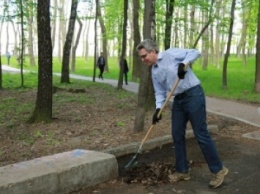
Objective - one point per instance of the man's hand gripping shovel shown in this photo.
(134, 160)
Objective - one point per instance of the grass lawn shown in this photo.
(240, 78)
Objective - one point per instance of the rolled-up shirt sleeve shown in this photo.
(191, 55)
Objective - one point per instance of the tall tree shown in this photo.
(123, 51)
(216, 60)
(67, 46)
(145, 91)
(104, 35)
(241, 47)
(54, 21)
(205, 27)
(168, 23)
(205, 43)
(30, 10)
(95, 43)
(15, 39)
(74, 48)
(62, 28)
(21, 56)
(257, 61)
(192, 25)
(137, 63)
(43, 107)
(224, 73)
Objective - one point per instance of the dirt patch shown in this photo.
(92, 119)
(149, 174)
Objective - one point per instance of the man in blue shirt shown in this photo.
(189, 105)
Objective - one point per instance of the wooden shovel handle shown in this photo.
(162, 108)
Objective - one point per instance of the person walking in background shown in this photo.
(189, 105)
(101, 65)
(125, 70)
(8, 56)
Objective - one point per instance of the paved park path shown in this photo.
(244, 112)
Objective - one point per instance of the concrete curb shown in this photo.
(58, 174)
(152, 143)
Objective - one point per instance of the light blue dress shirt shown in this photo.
(164, 72)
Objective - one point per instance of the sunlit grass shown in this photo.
(240, 78)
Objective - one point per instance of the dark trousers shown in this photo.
(101, 71)
(126, 78)
(191, 106)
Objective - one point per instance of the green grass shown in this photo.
(240, 78)
(83, 67)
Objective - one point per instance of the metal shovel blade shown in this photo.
(132, 162)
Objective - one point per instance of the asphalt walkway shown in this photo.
(247, 113)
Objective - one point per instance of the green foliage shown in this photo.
(38, 134)
(113, 17)
(50, 138)
(120, 123)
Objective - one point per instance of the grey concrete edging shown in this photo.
(152, 143)
(58, 174)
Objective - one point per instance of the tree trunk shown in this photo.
(217, 37)
(21, 56)
(137, 63)
(73, 63)
(62, 29)
(54, 21)
(95, 45)
(176, 35)
(205, 43)
(30, 39)
(68, 42)
(168, 23)
(85, 43)
(123, 51)
(243, 38)
(206, 25)
(192, 25)
(7, 38)
(257, 61)
(104, 36)
(145, 92)
(15, 39)
(43, 108)
(224, 79)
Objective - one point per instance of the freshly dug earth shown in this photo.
(93, 119)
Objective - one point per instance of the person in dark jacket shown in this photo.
(101, 62)
(125, 70)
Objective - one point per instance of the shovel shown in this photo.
(134, 160)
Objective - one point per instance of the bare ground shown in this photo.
(91, 119)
